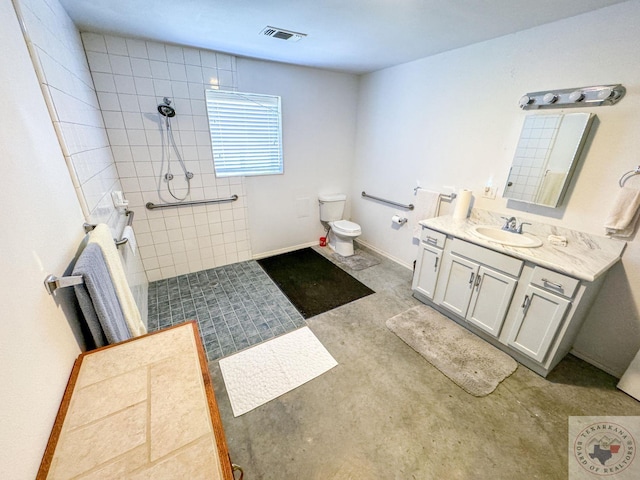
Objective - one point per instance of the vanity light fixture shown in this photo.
(573, 97)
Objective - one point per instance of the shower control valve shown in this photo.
(168, 176)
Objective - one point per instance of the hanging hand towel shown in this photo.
(101, 235)
(98, 300)
(426, 206)
(624, 214)
(132, 244)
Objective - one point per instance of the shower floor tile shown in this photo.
(236, 306)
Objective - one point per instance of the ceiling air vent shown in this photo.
(282, 34)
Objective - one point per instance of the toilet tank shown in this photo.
(331, 207)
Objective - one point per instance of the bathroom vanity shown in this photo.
(529, 302)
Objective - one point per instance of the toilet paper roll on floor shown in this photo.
(463, 200)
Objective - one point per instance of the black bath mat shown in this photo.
(312, 283)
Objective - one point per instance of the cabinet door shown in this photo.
(456, 285)
(426, 274)
(490, 301)
(537, 322)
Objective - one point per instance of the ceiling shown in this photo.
(354, 36)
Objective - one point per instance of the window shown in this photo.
(246, 133)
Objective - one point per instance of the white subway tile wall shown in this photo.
(131, 78)
(69, 91)
(60, 60)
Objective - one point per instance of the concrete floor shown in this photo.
(386, 413)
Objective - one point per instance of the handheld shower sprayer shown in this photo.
(167, 111)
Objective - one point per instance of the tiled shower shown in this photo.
(103, 92)
(131, 78)
(236, 306)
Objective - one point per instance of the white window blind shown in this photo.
(246, 133)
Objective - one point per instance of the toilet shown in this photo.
(342, 232)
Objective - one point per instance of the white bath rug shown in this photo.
(259, 374)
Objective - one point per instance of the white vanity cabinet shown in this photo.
(477, 284)
(546, 301)
(504, 296)
(428, 262)
(537, 322)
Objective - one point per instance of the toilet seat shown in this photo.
(345, 227)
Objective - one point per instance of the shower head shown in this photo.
(166, 110)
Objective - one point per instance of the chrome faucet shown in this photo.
(511, 225)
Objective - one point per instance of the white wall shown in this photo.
(62, 69)
(318, 121)
(453, 119)
(42, 229)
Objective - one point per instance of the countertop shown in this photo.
(137, 410)
(586, 256)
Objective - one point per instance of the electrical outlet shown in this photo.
(489, 192)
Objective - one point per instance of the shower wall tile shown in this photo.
(131, 78)
(62, 64)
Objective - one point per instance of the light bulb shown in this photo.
(576, 96)
(525, 100)
(605, 93)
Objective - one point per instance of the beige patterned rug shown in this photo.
(473, 364)
(359, 261)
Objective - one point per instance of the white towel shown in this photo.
(101, 235)
(624, 214)
(426, 206)
(131, 239)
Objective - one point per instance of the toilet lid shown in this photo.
(346, 226)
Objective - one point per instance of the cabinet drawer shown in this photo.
(554, 282)
(495, 260)
(433, 238)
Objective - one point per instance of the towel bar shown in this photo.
(401, 205)
(129, 213)
(627, 175)
(448, 197)
(151, 205)
(52, 283)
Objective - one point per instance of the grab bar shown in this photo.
(129, 213)
(401, 205)
(152, 206)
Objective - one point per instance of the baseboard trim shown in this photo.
(258, 256)
(595, 363)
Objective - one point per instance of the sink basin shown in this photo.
(510, 239)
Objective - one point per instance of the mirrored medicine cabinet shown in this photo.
(545, 158)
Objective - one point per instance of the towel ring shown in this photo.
(627, 175)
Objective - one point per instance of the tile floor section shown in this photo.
(236, 306)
